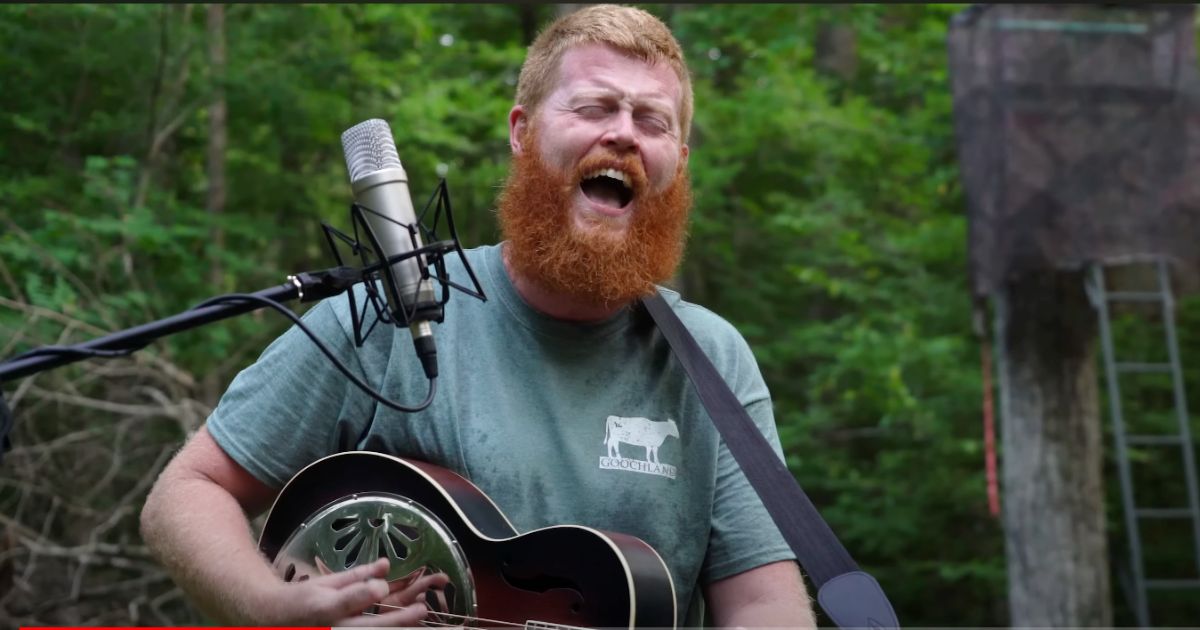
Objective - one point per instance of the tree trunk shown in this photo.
(217, 143)
(217, 137)
(836, 48)
(1053, 491)
(529, 22)
(561, 9)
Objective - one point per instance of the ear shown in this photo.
(683, 154)
(517, 122)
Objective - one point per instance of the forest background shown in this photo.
(153, 156)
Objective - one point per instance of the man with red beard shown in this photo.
(558, 397)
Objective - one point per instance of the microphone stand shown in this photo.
(306, 286)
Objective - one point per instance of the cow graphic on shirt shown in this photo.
(644, 432)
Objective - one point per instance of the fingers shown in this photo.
(359, 597)
(377, 569)
(409, 616)
(348, 594)
(344, 600)
(404, 592)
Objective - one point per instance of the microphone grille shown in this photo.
(369, 147)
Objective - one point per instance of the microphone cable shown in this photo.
(367, 389)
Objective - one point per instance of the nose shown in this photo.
(621, 134)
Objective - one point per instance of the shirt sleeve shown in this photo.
(743, 534)
(292, 406)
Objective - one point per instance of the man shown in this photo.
(535, 383)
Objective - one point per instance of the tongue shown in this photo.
(603, 190)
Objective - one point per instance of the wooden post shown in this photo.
(1053, 489)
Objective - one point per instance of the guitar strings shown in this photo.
(424, 622)
(448, 615)
(446, 624)
(461, 617)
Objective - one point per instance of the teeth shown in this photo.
(609, 172)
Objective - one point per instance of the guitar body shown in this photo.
(352, 508)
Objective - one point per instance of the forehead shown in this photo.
(601, 68)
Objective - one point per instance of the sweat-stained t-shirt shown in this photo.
(523, 410)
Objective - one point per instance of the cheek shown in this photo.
(559, 153)
(565, 144)
(663, 170)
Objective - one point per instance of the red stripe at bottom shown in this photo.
(175, 628)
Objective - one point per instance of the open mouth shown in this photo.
(607, 187)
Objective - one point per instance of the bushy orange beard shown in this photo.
(601, 264)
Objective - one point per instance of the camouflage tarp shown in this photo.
(1078, 136)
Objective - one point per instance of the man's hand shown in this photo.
(200, 504)
(340, 599)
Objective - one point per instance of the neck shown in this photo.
(555, 304)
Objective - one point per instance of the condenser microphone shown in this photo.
(380, 188)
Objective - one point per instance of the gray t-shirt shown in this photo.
(525, 409)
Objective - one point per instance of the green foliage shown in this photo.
(828, 226)
(832, 233)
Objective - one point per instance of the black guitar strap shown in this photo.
(851, 597)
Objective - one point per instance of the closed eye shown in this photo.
(655, 123)
(591, 111)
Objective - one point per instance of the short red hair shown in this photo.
(627, 29)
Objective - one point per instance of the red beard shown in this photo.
(600, 265)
